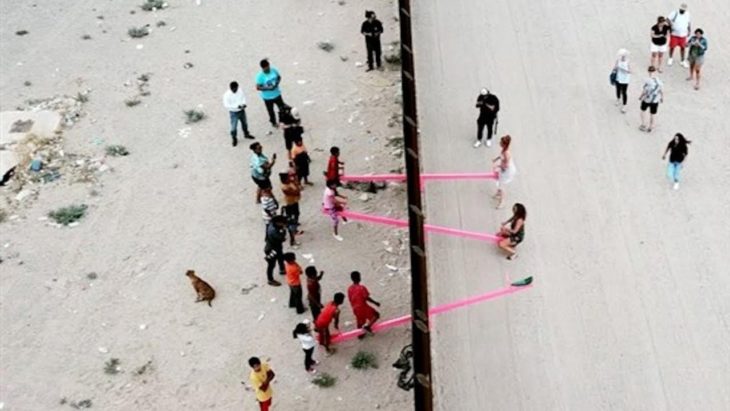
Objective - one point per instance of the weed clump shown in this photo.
(68, 215)
(111, 367)
(117, 150)
(193, 116)
(324, 380)
(364, 360)
(138, 32)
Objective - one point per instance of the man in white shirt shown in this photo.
(235, 102)
(679, 21)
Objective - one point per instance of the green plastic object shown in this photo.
(523, 282)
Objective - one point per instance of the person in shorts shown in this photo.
(651, 95)
(697, 47)
(659, 40)
(260, 169)
(679, 21)
(513, 231)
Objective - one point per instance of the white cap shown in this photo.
(484, 92)
(295, 113)
(623, 52)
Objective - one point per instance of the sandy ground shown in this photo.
(184, 199)
(630, 310)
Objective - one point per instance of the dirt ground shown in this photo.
(113, 286)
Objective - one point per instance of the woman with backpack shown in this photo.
(622, 68)
(677, 149)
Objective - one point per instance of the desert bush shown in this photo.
(111, 367)
(364, 360)
(68, 215)
(324, 380)
(137, 32)
(150, 5)
(132, 102)
(117, 150)
(193, 116)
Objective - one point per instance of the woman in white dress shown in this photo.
(505, 169)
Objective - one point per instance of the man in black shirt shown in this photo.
(488, 105)
(274, 249)
(372, 28)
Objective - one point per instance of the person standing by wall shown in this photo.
(651, 95)
(623, 76)
(677, 149)
(697, 48)
(680, 24)
(372, 28)
(260, 377)
(659, 40)
(488, 105)
(235, 102)
(267, 83)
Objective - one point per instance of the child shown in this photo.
(330, 312)
(293, 278)
(335, 167)
(261, 377)
(269, 205)
(359, 296)
(333, 205)
(303, 333)
(292, 194)
(314, 290)
(300, 157)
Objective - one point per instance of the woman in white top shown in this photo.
(623, 76)
(505, 168)
(304, 335)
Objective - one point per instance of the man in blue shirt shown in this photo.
(267, 83)
(260, 169)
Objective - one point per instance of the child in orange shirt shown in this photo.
(293, 278)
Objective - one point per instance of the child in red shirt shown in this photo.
(330, 312)
(359, 296)
(334, 166)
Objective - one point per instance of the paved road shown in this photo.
(631, 305)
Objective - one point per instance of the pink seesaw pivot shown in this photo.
(515, 287)
(492, 238)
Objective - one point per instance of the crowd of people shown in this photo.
(668, 34)
(281, 218)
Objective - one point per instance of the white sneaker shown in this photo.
(478, 143)
(337, 237)
(676, 186)
(685, 63)
(670, 62)
(489, 143)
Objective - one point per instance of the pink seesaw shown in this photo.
(424, 177)
(492, 238)
(515, 287)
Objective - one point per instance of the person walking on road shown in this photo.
(651, 95)
(235, 102)
(513, 231)
(677, 150)
(623, 76)
(681, 26)
(303, 333)
(359, 296)
(505, 168)
(260, 169)
(488, 105)
(697, 48)
(260, 378)
(372, 28)
(267, 83)
(274, 248)
(659, 40)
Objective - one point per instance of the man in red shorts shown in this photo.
(679, 21)
(359, 296)
(330, 312)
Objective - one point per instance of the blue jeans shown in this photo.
(237, 116)
(673, 170)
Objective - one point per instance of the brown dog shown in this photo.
(204, 290)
